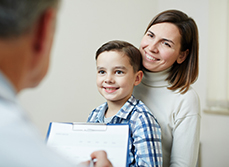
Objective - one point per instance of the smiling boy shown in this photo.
(119, 66)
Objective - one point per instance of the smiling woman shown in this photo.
(170, 58)
(160, 47)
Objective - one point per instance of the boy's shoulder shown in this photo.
(102, 106)
(97, 113)
(141, 113)
(139, 104)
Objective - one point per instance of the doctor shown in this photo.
(26, 34)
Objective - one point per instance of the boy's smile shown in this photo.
(110, 89)
(115, 77)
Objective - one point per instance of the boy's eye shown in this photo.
(101, 72)
(119, 72)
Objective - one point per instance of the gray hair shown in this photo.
(18, 16)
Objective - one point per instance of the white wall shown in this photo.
(69, 93)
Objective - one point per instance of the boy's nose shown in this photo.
(109, 79)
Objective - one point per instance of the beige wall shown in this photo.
(69, 93)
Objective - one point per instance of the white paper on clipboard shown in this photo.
(76, 141)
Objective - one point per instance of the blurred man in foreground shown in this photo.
(26, 33)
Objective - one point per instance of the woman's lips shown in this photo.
(149, 57)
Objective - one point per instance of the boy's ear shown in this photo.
(182, 56)
(138, 78)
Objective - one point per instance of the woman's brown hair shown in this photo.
(181, 76)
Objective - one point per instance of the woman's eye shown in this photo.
(150, 35)
(166, 44)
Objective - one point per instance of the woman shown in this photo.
(170, 58)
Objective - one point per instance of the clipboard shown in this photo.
(76, 141)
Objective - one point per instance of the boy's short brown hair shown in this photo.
(127, 49)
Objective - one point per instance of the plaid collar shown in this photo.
(122, 113)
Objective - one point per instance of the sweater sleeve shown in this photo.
(186, 132)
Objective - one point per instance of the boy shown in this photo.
(118, 71)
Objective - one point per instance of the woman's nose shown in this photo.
(153, 47)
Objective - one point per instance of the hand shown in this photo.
(101, 159)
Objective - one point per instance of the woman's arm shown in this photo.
(186, 132)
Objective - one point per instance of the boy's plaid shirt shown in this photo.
(145, 147)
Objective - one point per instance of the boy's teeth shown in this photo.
(109, 88)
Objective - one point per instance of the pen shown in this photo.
(91, 163)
